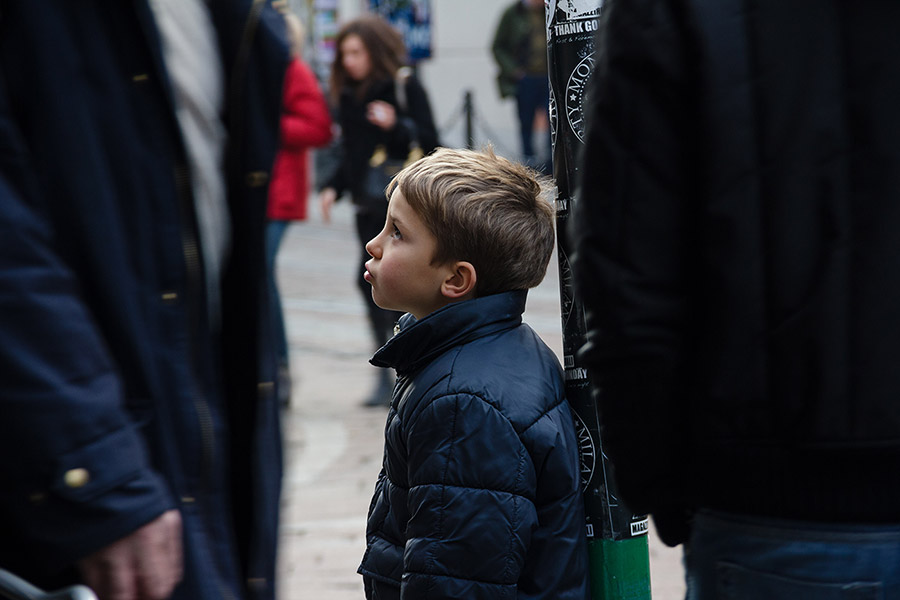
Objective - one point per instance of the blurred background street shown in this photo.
(333, 444)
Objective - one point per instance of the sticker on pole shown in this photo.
(641, 527)
(571, 27)
(586, 450)
(575, 88)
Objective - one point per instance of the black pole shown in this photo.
(468, 111)
(617, 540)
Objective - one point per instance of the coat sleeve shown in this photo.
(341, 152)
(471, 513)
(337, 179)
(74, 474)
(504, 51)
(633, 230)
(305, 119)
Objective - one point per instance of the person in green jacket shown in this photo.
(520, 50)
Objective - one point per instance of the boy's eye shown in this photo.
(396, 234)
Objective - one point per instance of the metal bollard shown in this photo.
(468, 111)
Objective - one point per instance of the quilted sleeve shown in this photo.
(75, 475)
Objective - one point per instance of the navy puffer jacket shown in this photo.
(479, 495)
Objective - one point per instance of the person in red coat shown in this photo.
(305, 123)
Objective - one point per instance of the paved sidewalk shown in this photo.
(332, 444)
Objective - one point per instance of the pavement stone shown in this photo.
(333, 445)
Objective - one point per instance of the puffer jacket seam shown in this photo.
(497, 407)
(377, 576)
(379, 487)
(440, 524)
(480, 581)
(464, 393)
(381, 533)
(550, 409)
(482, 489)
(514, 522)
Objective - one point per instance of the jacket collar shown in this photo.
(418, 342)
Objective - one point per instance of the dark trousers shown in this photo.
(369, 223)
(532, 95)
(274, 234)
(737, 556)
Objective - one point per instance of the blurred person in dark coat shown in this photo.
(139, 433)
(366, 76)
(736, 251)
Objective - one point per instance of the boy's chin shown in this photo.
(385, 306)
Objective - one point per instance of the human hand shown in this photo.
(381, 114)
(327, 198)
(146, 565)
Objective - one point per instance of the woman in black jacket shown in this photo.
(367, 77)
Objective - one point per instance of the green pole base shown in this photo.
(620, 570)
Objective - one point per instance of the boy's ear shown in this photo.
(460, 282)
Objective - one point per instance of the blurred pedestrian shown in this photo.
(480, 491)
(305, 123)
(736, 251)
(367, 76)
(139, 433)
(520, 50)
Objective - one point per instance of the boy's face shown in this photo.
(355, 58)
(400, 270)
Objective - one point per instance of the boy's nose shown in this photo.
(371, 247)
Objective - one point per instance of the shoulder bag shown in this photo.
(382, 168)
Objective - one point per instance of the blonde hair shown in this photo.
(486, 210)
(295, 33)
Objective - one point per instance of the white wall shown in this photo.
(462, 60)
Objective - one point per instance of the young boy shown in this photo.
(479, 495)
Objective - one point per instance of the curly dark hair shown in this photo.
(385, 46)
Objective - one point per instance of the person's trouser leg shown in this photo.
(525, 107)
(275, 230)
(369, 224)
(532, 96)
(734, 556)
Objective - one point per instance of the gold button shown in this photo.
(140, 77)
(169, 296)
(257, 178)
(76, 478)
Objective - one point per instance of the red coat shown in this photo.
(305, 123)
